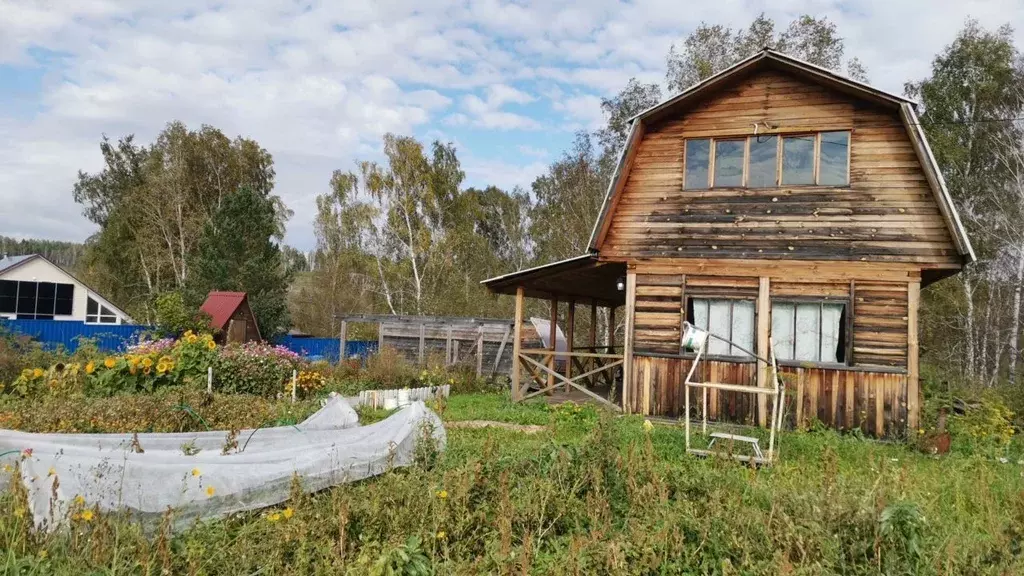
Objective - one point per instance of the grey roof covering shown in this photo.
(12, 261)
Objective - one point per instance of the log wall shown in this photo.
(886, 214)
(874, 402)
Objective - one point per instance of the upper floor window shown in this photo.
(821, 159)
(36, 300)
(98, 313)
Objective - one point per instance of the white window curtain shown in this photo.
(806, 331)
(732, 320)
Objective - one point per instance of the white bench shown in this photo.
(754, 442)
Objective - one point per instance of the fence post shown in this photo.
(480, 352)
(423, 339)
(295, 384)
(342, 341)
(448, 348)
(209, 379)
(380, 338)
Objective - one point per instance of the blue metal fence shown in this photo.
(66, 333)
(116, 337)
(327, 348)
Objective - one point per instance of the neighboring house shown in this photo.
(33, 288)
(775, 201)
(231, 317)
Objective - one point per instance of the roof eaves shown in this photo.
(518, 273)
(784, 59)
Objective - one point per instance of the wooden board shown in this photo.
(886, 214)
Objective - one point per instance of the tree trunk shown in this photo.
(968, 286)
(1015, 319)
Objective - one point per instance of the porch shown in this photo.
(567, 364)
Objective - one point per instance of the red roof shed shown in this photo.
(231, 316)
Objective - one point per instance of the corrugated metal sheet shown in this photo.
(66, 333)
(327, 348)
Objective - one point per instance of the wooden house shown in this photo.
(773, 202)
(231, 318)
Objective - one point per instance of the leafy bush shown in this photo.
(254, 368)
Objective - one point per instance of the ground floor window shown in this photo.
(730, 319)
(809, 331)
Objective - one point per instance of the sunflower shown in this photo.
(37, 372)
(161, 368)
(147, 362)
(109, 362)
(90, 367)
(191, 338)
(211, 344)
(133, 360)
(146, 370)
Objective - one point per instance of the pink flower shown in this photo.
(27, 452)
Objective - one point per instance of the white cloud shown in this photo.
(318, 83)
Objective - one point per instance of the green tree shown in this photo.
(712, 48)
(152, 203)
(237, 252)
(632, 100)
(974, 89)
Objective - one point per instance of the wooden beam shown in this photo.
(448, 348)
(501, 350)
(548, 353)
(342, 341)
(480, 353)
(764, 314)
(517, 343)
(423, 340)
(627, 354)
(913, 368)
(553, 374)
(380, 337)
(592, 337)
(647, 387)
(552, 337)
(570, 332)
(611, 327)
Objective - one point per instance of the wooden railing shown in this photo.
(591, 368)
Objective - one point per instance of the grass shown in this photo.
(593, 493)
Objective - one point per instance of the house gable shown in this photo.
(894, 209)
(35, 267)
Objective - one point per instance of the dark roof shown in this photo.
(221, 306)
(581, 278)
(771, 59)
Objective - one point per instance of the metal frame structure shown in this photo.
(777, 392)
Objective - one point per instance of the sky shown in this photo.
(317, 83)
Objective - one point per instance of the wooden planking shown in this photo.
(880, 333)
(841, 399)
(657, 311)
(887, 214)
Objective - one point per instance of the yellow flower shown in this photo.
(210, 490)
(87, 515)
(441, 535)
(109, 362)
(920, 430)
(191, 338)
(19, 512)
(26, 373)
(187, 333)
(288, 512)
(132, 369)
(195, 471)
(52, 471)
(648, 426)
(79, 500)
(161, 368)
(146, 370)
(274, 517)
(37, 372)
(211, 345)
(147, 362)
(133, 360)
(90, 367)
(42, 553)
(442, 494)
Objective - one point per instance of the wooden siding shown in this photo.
(875, 402)
(887, 214)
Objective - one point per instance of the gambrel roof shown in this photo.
(770, 59)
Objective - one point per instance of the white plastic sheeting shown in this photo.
(208, 484)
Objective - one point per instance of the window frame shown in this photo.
(99, 316)
(846, 324)
(780, 137)
(732, 300)
(36, 313)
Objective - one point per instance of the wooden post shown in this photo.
(342, 341)
(209, 379)
(380, 337)
(627, 352)
(423, 341)
(480, 352)
(764, 312)
(517, 339)
(295, 385)
(448, 348)
(570, 331)
(913, 368)
(552, 335)
(592, 341)
(611, 329)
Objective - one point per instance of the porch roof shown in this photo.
(581, 278)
